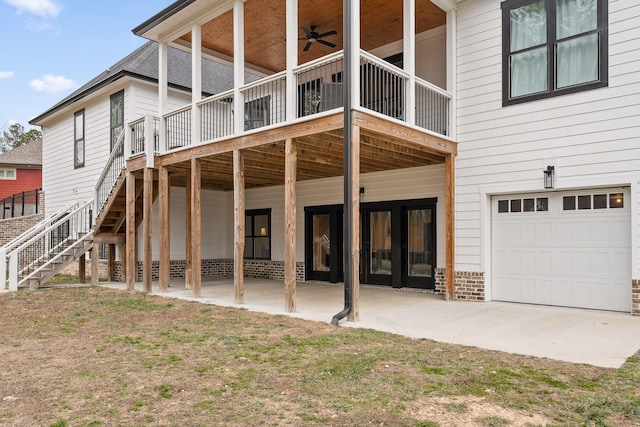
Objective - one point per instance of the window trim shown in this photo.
(253, 213)
(551, 44)
(119, 94)
(76, 163)
(4, 176)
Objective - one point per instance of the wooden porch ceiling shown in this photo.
(320, 155)
(265, 28)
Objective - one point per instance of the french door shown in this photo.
(398, 243)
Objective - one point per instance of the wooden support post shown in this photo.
(290, 167)
(130, 256)
(164, 224)
(238, 222)
(82, 269)
(354, 314)
(123, 260)
(450, 225)
(95, 258)
(196, 228)
(147, 221)
(111, 263)
(188, 267)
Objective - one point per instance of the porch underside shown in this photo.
(280, 156)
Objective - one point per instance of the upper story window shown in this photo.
(78, 139)
(553, 47)
(7, 173)
(117, 116)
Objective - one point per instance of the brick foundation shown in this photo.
(635, 297)
(103, 268)
(11, 228)
(469, 285)
(262, 269)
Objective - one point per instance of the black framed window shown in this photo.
(78, 139)
(117, 116)
(257, 234)
(553, 47)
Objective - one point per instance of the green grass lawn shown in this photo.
(91, 356)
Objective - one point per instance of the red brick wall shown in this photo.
(26, 180)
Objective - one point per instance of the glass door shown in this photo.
(323, 247)
(420, 247)
(379, 251)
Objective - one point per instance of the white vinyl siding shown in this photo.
(590, 137)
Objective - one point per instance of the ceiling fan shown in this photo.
(312, 36)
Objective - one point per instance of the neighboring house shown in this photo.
(492, 149)
(21, 169)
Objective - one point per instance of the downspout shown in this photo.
(348, 173)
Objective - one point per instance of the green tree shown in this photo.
(15, 136)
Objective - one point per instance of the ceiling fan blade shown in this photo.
(306, 48)
(328, 33)
(306, 31)
(326, 43)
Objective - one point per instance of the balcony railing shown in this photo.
(139, 135)
(383, 90)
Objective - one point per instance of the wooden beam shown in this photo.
(396, 131)
(164, 225)
(354, 314)
(130, 257)
(290, 225)
(112, 239)
(326, 123)
(188, 267)
(111, 262)
(238, 221)
(95, 251)
(82, 269)
(147, 229)
(450, 225)
(196, 229)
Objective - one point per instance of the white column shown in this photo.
(13, 272)
(148, 140)
(452, 46)
(292, 58)
(238, 65)
(163, 92)
(196, 81)
(3, 268)
(355, 53)
(409, 59)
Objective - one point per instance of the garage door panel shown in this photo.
(579, 258)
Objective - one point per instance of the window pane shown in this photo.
(10, 174)
(503, 206)
(542, 204)
(599, 201)
(248, 226)
(528, 26)
(420, 237)
(261, 225)
(569, 203)
(1, 173)
(79, 153)
(529, 72)
(380, 252)
(79, 126)
(577, 61)
(616, 200)
(516, 205)
(528, 205)
(575, 17)
(321, 242)
(261, 248)
(248, 247)
(584, 202)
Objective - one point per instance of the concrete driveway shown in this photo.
(593, 337)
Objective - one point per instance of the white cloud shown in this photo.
(6, 74)
(49, 83)
(37, 26)
(44, 8)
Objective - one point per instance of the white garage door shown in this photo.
(569, 249)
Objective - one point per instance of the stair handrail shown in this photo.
(83, 225)
(8, 247)
(113, 167)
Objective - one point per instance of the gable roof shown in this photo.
(143, 64)
(25, 155)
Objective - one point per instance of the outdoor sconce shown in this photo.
(263, 231)
(548, 176)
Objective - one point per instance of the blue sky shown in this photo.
(49, 48)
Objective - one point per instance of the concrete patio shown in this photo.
(598, 338)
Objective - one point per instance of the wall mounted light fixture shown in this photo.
(548, 176)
